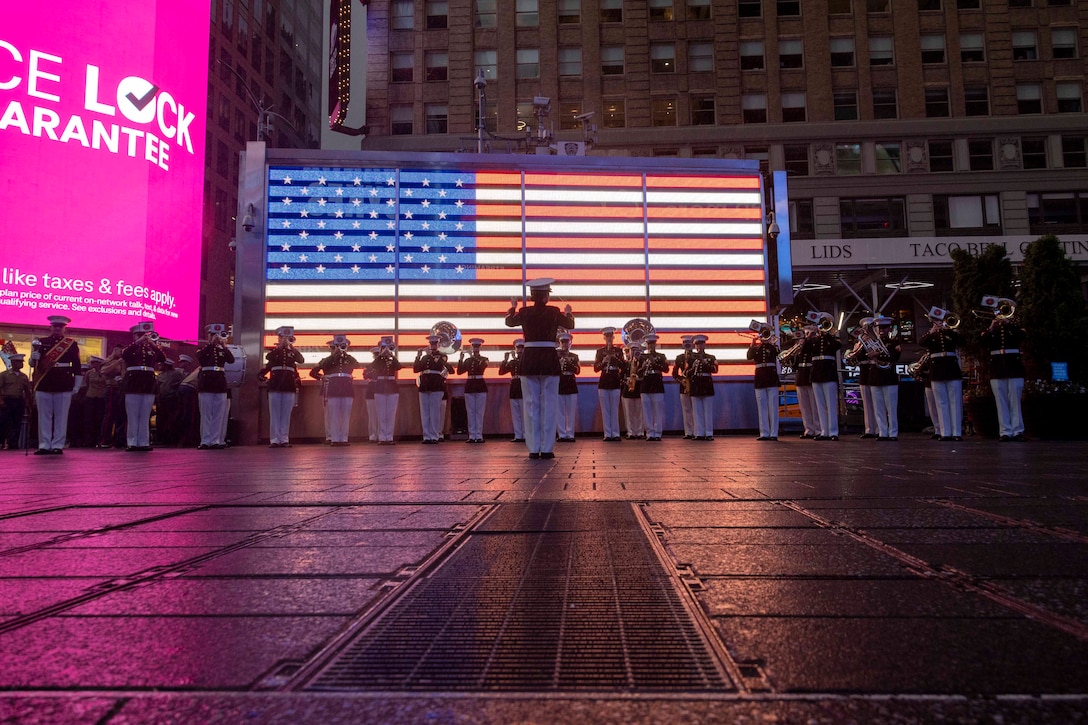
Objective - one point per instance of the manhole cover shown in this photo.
(541, 596)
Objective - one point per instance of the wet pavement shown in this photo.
(724, 581)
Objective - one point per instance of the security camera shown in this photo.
(247, 222)
(480, 81)
(585, 116)
(233, 244)
(541, 101)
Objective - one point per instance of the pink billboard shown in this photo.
(102, 128)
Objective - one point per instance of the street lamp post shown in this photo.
(264, 113)
(481, 87)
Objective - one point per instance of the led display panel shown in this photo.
(102, 132)
(392, 250)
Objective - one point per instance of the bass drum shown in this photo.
(236, 370)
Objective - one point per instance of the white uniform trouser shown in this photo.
(442, 417)
(632, 414)
(931, 409)
(372, 424)
(475, 403)
(948, 394)
(52, 419)
(653, 413)
(610, 411)
(868, 409)
(806, 401)
(568, 414)
(886, 410)
(827, 407)
(541, 406)
(702, 408)
(688, 414)
(280, 405)
(517, 416)
(338, 412)
(767, 409)
(1007, 392)
(328, 420)
(385, 408)
(138, 419)
(213, 418)
(430, 408)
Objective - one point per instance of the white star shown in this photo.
(373, 191)
(408, 214)
(407, 257)
(426, 248)
(426, 182)
(441, 215)
(373, 235)
(321, 180)
(407, 192)
(373, 214)
(390, 181)
(357, 181)
(321, 224)
(287, 201)
(321, 269)
(356, 202)
(373, 257)
(285, 247)
(426, 225)
(285, 269)
(304, 234)
(389, 248)
(442, 236)
(339, 192)
(302, 258)
(441, 257)
(305, 191)
(458, 225)
(408, 236)
(425, 269)
(459, 248)
(390, 225)
(355, 224)
(286, 224)
(459, 269)
(304, 213)
(339, 213)
(321, 247)
(355, 247)
(441, 192)
(390, 202)
(322, 202)
(460, 183)
(425, 203)
(339, 235)
(338, 258)
(287, 179)
(355, 269)
(389, 269)
(459, 203)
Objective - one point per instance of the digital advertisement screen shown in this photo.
(102, 130)
(392, 250)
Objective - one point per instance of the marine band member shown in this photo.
(613, 369)
(511, 365)
(213, 358)
(433, 367)
(55, 359)
(386, 391)
(679, 374)
(885, 382)
(806, 398)
(140, 359)
(701, 369)
(475, 389)
(281, 370)
(865, 380)
(823, 346)
(1003, 338)
(946, 376)
(569, 367)
(335, 372)
(631, 395)
(653, 366)
(764, 354)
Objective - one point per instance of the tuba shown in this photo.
(635, 331)
(449, 337)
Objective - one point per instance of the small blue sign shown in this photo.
(1059, 371)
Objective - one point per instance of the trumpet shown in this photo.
(824, 321)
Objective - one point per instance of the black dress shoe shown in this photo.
(869, 435)
(42, 452)
(957, 438)
(819, 438)
(773, 438)
(883, 438)
(1019, 438)
(57, 451)
(806, 435)
(688, 438)
(832, 438)
(534, 456)
(547, 454)
(517, 440)
(1004, 439)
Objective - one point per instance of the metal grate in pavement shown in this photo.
(540, 597)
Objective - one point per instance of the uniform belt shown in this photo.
(283, 367)
(703, 375)
(611, 367)
(141, 367)
(386, 377)
(823, 357)
(804, 365)
(432, 372)
(944, 354)
(475, 377)
(540, 344)
(764, 365)
(568, 374)
(62, 365)
(213, 367)
(1006, 351)
(338, 375)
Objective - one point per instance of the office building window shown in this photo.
(1059, 3)
(702, 110)
(929, 4)
(1073, 155)
(847, 159)
(1033, 152)
(802, 220)
(700, 57)
(661, 10)
(568, 116)
(839, 7)
(1021, 3)
(751, 55)
(523, 114)
(789, 7)
(611, 11)
(612, 60)
(754, 108)
(438, 13)
(438, 65)
(570, 61)
(972, 48)
(884, 103)
(954, 215)
(1058, 212)
(487, 15)
(487, 63)
(940, 156)
(842, 52)
(662, 58)
(400, 120)
(933, 49)
(570, 11)
(878, 217)
(1069, 97)
(980, 154)
(791, 54)
(698, 10)
(1029, 98)
(878, 6)
(937, 103)
(401, 67)
(976, 101)
(1024, 46)
(749, 8)
(1063, 42)
(437, 115)
(846, 105)
(402, 15)
(662, 112)
(793, 107)
(796, 159)
(760, 154)
(881, 50)
(528, 63)
(889, 158)
(614, 114)
(527, 13)
(491, 115)
(968, 4)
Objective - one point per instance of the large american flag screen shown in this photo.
(369, 252)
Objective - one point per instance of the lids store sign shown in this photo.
(915, 251)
